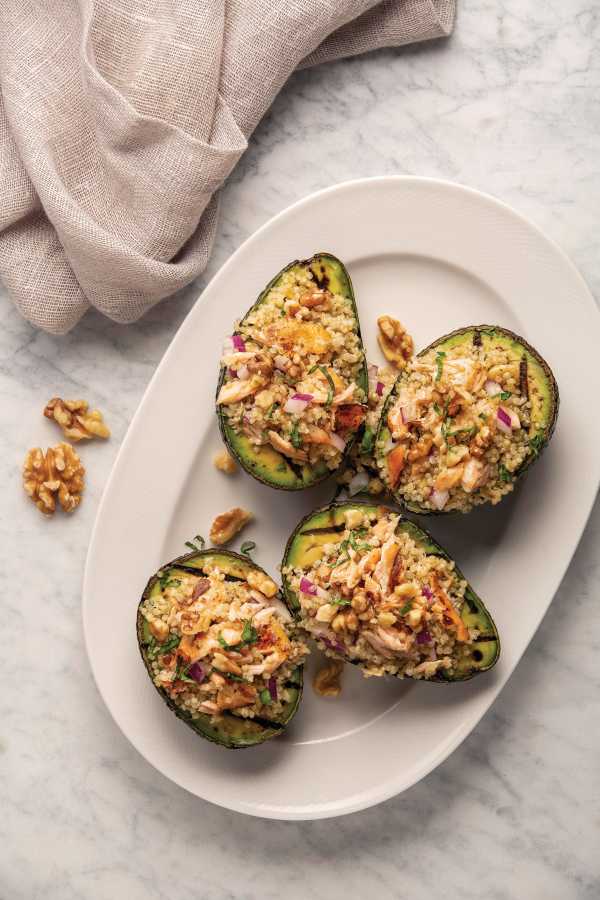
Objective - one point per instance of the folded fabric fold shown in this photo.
(120, 120)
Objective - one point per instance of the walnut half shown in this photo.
(228, 524)
(58, 472)
(77, 420)
(395, 342)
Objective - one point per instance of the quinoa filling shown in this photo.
(378, 599)
(221, 645)
(457, 428)
(292, 372)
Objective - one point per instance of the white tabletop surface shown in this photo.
(508, 105)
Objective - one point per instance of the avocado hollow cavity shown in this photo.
(293, 382)
(376, 590)
(465, 420)
(218, 642)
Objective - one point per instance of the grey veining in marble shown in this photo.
(511, 105)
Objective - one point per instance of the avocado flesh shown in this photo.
(230, 731)
(265, 463)
(541, 385)
(326, 526)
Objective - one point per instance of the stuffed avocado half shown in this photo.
(219, 645)
(293, 384)
(376, 590)
(464, 420)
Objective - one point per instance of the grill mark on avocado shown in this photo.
(484, 638)
(192, 570)
(322, 279)
(266, 723)
(477, 339)
(339, 529)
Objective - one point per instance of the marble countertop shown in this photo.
(510, 105)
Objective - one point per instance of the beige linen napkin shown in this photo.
(120, 119)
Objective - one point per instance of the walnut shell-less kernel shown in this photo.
(56, 473)
(228, 524)
(396, 344)
(224, 462)
(327, 681)
(77, 420)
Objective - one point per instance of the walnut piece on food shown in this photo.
(77, 420)
(328, 680)
(58, 472)
(228, 524)
(224, 462)
(396, 343)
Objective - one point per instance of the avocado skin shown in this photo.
(237, 733)
(486, 650)
(553, 398)
(260, 464)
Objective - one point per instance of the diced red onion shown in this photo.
(439, 498)
(307, 587)
(272, 685)
(427, 592)
(338, 442)
(197, 672)
(294, 406)
(423, 637)
(333, 645)
(492, 388)
(379, 388)
(372, 369)
(358, 482)
(243, 373)
(297, 403)
(504, 420)
(232, 373)
(409, 412)
(238, 343)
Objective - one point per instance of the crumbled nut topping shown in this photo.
(77, 421)
(58, 472)
(328, 680)
(224, 462)
(228, 524)
(395, 342)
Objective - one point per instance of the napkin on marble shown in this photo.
(120, 119)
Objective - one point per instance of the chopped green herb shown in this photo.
(232, 676)
(483, 416)
(439, 361)
(249, 634)
(504, 395)
(504, 474)
(437, 409)
(295, 437)
(265, 697)
(331, 391)
(157, 649)
(537, 442)
(468, 431)
(340, 601)
(197, 544)
(356, 545)
(406, 608)
(247, 547)
(366, 444)
(282, 313)
(272, 409)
